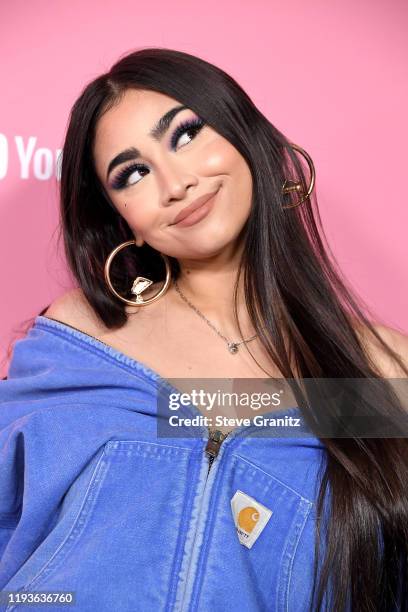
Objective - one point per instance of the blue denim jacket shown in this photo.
(94, 502)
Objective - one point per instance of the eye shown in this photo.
(122, 179)
(191, 125)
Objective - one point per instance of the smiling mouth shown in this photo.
(198, 214)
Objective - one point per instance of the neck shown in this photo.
(209, 286)
(212, 291)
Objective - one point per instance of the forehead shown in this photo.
(129, 121)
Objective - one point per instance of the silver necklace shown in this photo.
(232, 346)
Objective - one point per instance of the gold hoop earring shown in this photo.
(286, 188)
(140, 283)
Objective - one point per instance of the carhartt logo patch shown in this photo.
(250, 517)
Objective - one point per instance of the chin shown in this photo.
(202, 240)
(205, 247)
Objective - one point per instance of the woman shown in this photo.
(232, 281)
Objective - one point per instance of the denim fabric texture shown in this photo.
(93, 501)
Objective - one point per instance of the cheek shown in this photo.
(244, 181)
(217, 156)
(238, 175)
(220, 157)
(139, 218)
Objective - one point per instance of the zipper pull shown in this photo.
(213, 445)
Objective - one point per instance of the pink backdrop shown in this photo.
(331, 75)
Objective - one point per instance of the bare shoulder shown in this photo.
(395, 339)
(72, 308)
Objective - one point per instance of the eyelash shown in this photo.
(195, 125)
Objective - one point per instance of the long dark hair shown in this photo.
(294, 292)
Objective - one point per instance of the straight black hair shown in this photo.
(293, 290)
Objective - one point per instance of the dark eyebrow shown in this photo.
(156, 132)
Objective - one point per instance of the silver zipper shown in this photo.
(215, 439)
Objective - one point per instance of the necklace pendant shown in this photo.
(232, 347)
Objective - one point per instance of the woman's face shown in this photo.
(150, 186)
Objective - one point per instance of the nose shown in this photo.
(175, 179)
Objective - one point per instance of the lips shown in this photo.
(193, 206)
